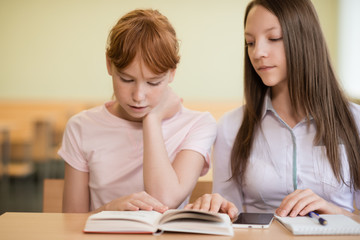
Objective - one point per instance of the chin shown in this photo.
(270, 82)
(138, 117)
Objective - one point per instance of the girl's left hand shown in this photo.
(302, 201)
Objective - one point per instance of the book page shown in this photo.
(171, 215)
(193, 221)
(147, 222)
(150, 217)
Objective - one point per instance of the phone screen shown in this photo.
(253, 220)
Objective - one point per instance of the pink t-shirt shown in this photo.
(110, 149)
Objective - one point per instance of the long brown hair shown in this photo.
(312, 85)
(146, 32)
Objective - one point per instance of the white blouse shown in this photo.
(282, 160)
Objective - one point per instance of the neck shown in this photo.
(281, 102)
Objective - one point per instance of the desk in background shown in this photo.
(69, 226)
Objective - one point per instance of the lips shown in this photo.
(264, 68)
(138, 108)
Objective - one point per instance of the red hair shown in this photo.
(147, 33)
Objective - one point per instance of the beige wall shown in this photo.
(349, 48)
(55, 49)
(328, 12)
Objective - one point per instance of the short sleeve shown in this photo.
(70, 149)
(201, 137)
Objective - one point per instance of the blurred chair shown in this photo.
(42, 141)
(42, 149)
(203, 186)
(20, 164)
(200, 189)
(9, 151)
(4, 151)
(53, 195)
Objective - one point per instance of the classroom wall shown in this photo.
(328, 12)
(55, 49)
(349, 47)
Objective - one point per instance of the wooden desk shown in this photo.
(69, 226)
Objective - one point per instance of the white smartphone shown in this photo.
(253, 220)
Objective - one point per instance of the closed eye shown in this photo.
(154, 83)
(126, 80)
(275, 39)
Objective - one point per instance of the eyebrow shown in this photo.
(151, 78)
(266, 30)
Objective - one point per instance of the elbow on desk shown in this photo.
(170, 199)
(171, 202)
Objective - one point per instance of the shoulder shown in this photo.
(196, 116)
(229, 125)
(86, 116)
(232, 119)
(355, 109)
(193, 123)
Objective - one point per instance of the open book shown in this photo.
(336, 225)
(190, 221)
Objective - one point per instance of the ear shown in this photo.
(108, 65)
(172, 75)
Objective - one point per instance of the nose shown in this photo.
(138, 93)
(260, 50)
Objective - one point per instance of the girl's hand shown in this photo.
(214, 203)
(302, 201)
(135, 202)
(168, 106)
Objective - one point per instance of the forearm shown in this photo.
(160, 178)
(353, 215)
(356, 217)
(76, 198)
